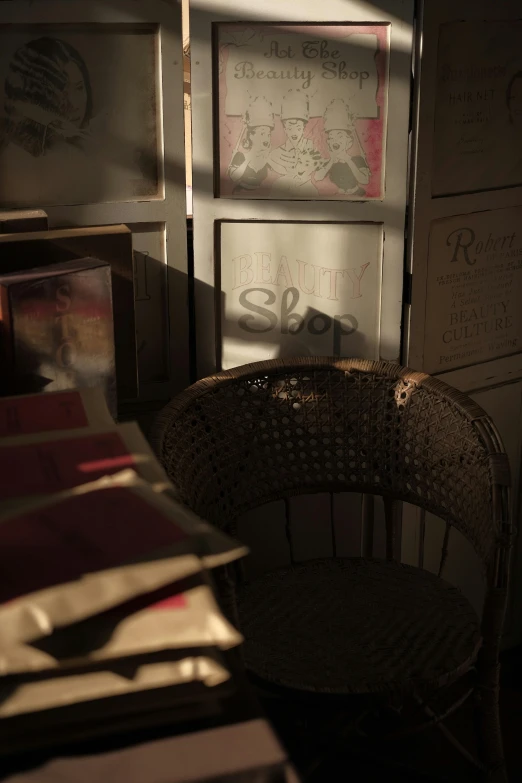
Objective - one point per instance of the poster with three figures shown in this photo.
(302, 111)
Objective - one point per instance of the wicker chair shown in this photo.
(276, 429)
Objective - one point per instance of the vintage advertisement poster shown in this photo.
(302, 111)
(478, 111)
(299, 289)
(78, 115)
(474, 289)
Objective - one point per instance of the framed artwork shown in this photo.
(474, 289)
(478, 107)
(296, 289)
(70, 95)
(301, 110)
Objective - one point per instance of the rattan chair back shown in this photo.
(271, 430)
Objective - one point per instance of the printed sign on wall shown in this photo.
(478, 116)
(302, 111)
(78, 115)
(297, 289)
(474, 295)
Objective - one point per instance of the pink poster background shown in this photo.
(371, 132)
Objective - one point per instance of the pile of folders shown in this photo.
(107, 612)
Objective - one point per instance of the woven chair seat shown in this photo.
(356, 626)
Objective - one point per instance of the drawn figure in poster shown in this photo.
(297, 158)
(250, 162)
(47, 97)
(68, 130)
(349, 172)
(327, 88)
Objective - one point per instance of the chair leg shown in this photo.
(487, 723)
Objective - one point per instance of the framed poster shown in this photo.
(69, 98)
(474, 289)
(297, 289)
(302, 110)
(478, 107)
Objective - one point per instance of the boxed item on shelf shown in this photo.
(56, 329)
(20, 252)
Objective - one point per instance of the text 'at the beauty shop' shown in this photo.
(332, 66)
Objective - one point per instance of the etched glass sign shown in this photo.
(296, 289)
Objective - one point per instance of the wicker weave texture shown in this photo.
(355, 626)
(273, 430)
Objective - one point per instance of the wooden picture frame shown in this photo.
(302, 110)
(278, 297)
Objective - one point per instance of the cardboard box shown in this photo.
(113, 244)
(56, 329)
(21, 220)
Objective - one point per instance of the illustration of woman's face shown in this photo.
(76, 94)
(260, 138)
(515, 101)
(47, 95)
(294, 130)
(339, 141)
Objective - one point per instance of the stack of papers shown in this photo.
(105, 595)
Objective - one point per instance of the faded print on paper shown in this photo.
(298, 289)
(302, 111)
(474, 294)
(78, 115)
(478, 117)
